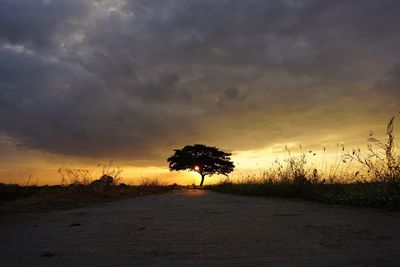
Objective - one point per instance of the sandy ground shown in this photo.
(202, 228)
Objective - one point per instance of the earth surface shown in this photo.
(189, 227)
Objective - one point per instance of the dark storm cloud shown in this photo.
(35, 23)
(390, 83)
(117, 78)
(231, 93)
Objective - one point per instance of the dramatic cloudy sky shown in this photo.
(82, 82)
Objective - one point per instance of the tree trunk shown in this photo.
(202, 180)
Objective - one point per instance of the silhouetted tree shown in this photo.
(202, 159)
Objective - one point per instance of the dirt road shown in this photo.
(202, 228)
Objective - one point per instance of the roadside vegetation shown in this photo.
(370, 179)
(77, 188)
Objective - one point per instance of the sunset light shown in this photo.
(199, 132)
(151, 83)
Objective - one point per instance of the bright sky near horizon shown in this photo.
(86, 82)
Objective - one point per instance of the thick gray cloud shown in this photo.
(390, 83)
(138, 78)
(36, 23)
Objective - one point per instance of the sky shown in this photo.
(86, 82)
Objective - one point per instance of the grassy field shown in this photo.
(374, 183)
(17, 198)
(362, 194)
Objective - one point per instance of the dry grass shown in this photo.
(375, 182)
(383, 158)
(77, 189)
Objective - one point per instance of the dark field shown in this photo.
(362, 194)
(16, 198)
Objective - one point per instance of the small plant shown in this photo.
(151, 182)
(294, 169)
(110, 171)
(75, 176)
(383, 159)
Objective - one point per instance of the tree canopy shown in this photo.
(202, 159)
